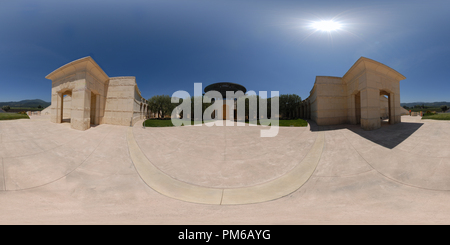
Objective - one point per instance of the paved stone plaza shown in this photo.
(53, 174)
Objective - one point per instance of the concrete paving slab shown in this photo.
(224, 157)
(400, 183)
(2, 176)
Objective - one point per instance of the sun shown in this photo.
(326, 25)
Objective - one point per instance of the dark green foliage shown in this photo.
(6, 107)
(162, 105)
(289, 104)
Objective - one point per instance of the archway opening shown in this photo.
(66, 107)
(94, 109)
(385, 107)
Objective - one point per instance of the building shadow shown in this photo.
(388, 135)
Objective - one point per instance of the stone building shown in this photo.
(367, 93)
(228, 109)
(84, 95)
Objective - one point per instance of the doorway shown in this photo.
(385, 107)
(93, 114)
(66, 107)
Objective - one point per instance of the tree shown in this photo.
(444, 108)
(195, 101)
(247, 99)
(161, 104)
(289, 103)
(6, 108)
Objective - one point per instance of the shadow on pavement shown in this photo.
(388, 136)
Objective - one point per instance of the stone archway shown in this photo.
(61, 109)
(66, 107)
(86, 82)
(95, 108)
(390, 109)
(95, 98)
(334, 100)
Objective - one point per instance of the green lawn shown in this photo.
(12, 116)
(168, 123)
(27, 108)
(440, 116)
(289, 123)
(164, 123)
(437, 109)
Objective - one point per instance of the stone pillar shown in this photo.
(102, 105)
(56, 107)
(370, 109)
(391, 106)
(81, 108)
(97, 109)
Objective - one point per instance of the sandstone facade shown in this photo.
(85, 95)
(367, 93)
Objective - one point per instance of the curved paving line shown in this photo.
(58, 178)
(282, 186)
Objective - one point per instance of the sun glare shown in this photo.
(326, 25)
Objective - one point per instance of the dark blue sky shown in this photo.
(169, 45)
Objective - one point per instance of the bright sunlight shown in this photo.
(326, 25)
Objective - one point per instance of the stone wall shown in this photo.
(357, 97)
(120, 101)
(91, 97)
(328, 102)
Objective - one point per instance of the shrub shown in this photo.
(6, 108)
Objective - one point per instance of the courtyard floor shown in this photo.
(52, 174)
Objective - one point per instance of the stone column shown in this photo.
(391, 105)
(97, 109)
(55, 109)
(81, 107)
(370, 109)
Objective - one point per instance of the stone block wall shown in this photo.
(94, 98)
(357, 97)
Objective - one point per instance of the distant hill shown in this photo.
(427, 104)
(26, 103)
